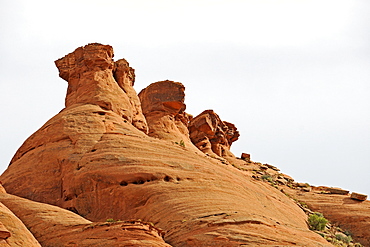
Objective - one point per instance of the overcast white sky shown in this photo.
(292, 75)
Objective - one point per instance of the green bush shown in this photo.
(317, 222)
(267, 178)
(343, 238)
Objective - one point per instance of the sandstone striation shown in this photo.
(358, 196)
(13, 232)
(212, 135)
(53, 227)
(351, 215)
(125, 77)
(95, 159)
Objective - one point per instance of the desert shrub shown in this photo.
(267, 178)
(181, 143)
(343, 238)
(317, 222)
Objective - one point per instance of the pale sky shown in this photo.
(292, 75)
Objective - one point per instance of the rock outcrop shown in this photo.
(13, 232)
(95, 159)
(212, 135)
(53, 227)
(89, 73)
(351, 215)
(358, 196)
(125, 77)
(164, 108)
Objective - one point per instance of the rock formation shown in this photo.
(89, 72)
(212, 135)
(125, 77)
(95, 159)
(13, 232)
(164, 109)
(54, 226)
(340, 209)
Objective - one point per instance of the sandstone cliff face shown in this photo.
(95, 159)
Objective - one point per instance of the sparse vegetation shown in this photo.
(267, 178)
(343, 238)
(111, 220)
(181, 143)
(317, 221)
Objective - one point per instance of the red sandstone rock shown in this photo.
(337, 191)
(212, 135)
(90, 159)
(53, 227)
(358, 196)
(12, 231)
(125, 77)
(4, 232)
(89, 72)
(164, 108)
(350, 215)
(246, 157)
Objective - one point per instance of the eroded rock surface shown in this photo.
(92, 160)
(53, 227)
(13, 232)
(89, 72)
(212, 135)
(164, 108)
(351, 215)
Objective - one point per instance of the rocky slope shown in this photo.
(112, 154)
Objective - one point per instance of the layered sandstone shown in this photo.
(92, 159)
(351, 215)
(164, 108)
(89, 73)
(212, 135)
(53, 227)
(13, 232)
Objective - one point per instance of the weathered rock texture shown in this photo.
(340, 209)
(53, 227)
(164, 108)
(358, 196)
(13, 232)
(89, 72)
(92, 159)
(212, 135)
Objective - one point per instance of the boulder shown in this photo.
(246, 157)
(358, 196)
(337, 191)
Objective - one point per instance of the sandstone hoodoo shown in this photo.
(212, 135)
(140, 162)
(164, 109)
